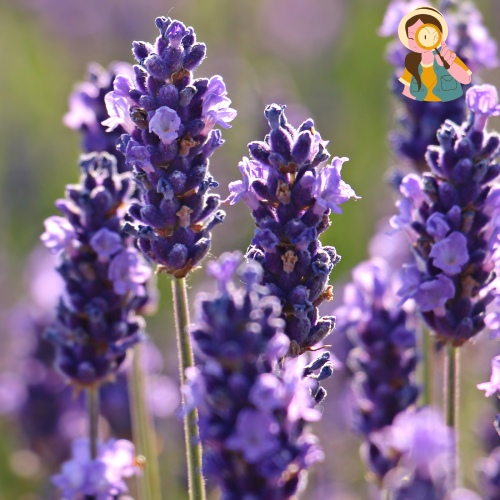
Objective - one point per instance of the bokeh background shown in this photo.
(323, 58)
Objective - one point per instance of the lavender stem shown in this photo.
(93, 409)
(451, 407)
(143, 431)
(427, 372)
(191, 432)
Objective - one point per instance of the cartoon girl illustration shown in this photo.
(432, 71)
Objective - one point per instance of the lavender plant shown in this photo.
(383, 358)
(169, 119)
(291, 191)
(104, 275)
(450, 215)
(252, 417)
(104, 287)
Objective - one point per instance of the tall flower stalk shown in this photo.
(451, 218)
(291, 191)
(170, 121)
(383, 358)
(87, 111)
(105, 279)
(252, 416)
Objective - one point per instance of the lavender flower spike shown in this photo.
(101, 478)
(104, 275)
(291, 191)
(252, 417)
(169, 118)
(383, 358)
(452, 218)
(87, 109)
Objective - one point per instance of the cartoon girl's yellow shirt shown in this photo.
(429, 78)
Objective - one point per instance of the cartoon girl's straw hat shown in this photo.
(422, 10)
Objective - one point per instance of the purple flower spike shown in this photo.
(58, 235)
(253, 417)
(101, 478)
(453, 222)
(171, 119)
(291, 192)
(493, 385)
(105, 277)
(383, 357)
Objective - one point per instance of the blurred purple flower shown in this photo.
(128, 271)
(88, 109)
(482, 100)
(101, 478)
(58, 235)
(254, 435)
(493, 385)
(106, 243)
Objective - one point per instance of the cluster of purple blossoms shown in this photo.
(419, 121)
(104, 275)
(291, 190)
(169, 119)
(450, 215)
(421, 445)
(252, 417)
(101, 478)
(383, 358)
(87, 110)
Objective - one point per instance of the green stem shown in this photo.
(143, 430)
(93, 410)
(191, 432)
(427, 372)
(451, 406)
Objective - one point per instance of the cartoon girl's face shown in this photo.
(412, 33)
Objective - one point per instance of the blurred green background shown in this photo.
(323, 58)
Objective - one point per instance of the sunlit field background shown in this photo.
(322, 58)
